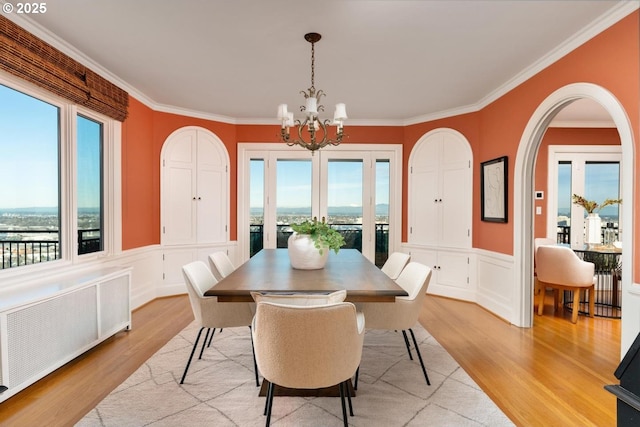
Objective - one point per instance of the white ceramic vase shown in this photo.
(303, 254)
(593, 230)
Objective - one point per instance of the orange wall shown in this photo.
(563, 136)
(611, 60)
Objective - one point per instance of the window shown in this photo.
(89, 159)
(590, 171)
(350, 187)
(30, 195)
(53, 188)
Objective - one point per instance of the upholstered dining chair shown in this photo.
(558, 267)
(221, 265)
(208, 312)
(307, 347)
(402, 315)
(395, 263)
(539, 293)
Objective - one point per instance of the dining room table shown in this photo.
(269, 271)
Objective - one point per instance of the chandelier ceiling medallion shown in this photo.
(312, 131)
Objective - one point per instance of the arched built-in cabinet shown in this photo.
(194, 198)
(440, 210)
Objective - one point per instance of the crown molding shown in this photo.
(581, 37)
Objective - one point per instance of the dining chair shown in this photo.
(538, 292)
(558, 267)
(209, 313)
(402, 315)
(221, 265)
(307, 347)
(395, 263)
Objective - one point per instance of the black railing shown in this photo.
(89, 241)
(564, 233)
(24, 247)
(352, 234)
(30, 248)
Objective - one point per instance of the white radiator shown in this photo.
(45, 325)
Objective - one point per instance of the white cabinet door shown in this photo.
(194, 188)
(440, 191)
(212, 191)
(179, 189)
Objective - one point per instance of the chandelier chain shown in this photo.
(313, 65)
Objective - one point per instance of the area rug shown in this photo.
(220, 389)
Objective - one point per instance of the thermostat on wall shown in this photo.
(539, 195)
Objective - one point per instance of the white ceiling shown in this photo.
(391, 62)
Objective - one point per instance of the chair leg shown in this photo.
(346, 389)
(211, 337)
(543, 290)
(344, 408)
(193, 350)
(355, 385)
(206, 337)
(576, 306)
(424, 371)
(255, 364)
(592, 301)
(269, 403)
(406, 342)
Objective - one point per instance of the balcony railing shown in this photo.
(564, 234)
(24, 247)
(352, 234)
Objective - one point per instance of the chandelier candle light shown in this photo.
(312, 131)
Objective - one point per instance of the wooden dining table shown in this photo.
(269, 271)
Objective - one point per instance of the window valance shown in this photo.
(26, 56)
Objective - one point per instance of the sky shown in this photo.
(294, 183)
(29, 153)
(601, 183)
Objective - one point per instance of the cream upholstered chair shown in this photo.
(558, 267)
(395, 263)
(208, 312)
(221, 265)
(307, 347)
(403, 313)
(538, 292)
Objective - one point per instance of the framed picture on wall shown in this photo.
(493, 190)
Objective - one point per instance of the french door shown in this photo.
(352, 190)
(589, 171)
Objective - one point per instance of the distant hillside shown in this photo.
(381, 209)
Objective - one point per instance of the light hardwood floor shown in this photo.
(549, 375)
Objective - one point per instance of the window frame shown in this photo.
(67, 172)
(269, 151)
(581, 154)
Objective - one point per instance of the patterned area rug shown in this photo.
(220, 389)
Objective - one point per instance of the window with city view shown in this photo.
(593, 179)
(339, 198)
(30, 193)
(35, 225)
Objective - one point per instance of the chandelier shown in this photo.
(312, 131)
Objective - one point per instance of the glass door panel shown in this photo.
(294, 196)
(344, 200)
(564, 202)
(381, 203)
(256, 206)
(602, 182)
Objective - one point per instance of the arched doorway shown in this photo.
(523, 198)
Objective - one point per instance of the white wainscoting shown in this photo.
(474, 275)
(496, 284)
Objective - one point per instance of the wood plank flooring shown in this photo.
(550, 375)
